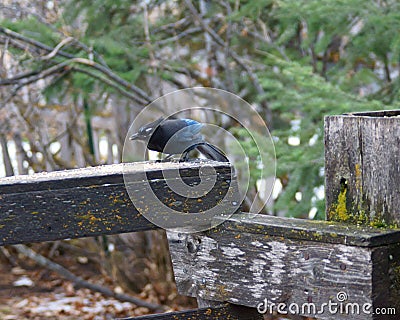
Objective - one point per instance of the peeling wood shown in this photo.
(258, 265)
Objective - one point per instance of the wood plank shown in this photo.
(310, 230)
(362, 167)
(93, 201)
(99, 175)
(244, 263)
(225, 311)
(68, 213)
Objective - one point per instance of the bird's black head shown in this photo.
(146, 131)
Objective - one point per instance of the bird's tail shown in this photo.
(212, 152)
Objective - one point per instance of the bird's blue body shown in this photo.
(177, 136)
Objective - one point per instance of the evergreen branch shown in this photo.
(107, 72)
(112, 84)
(89, 51)
(15, 79)
(17, 9)
(26, 78)
(113, 80)
(13, 36)
(16, 44)
(173, 25)
(24, 81)
(219, 41)
(37, 44)
(103, 69)
(178, 36)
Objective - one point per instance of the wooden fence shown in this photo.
(235, 270)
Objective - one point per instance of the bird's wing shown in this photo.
(189, 122)
(190, 132)
(212, 152)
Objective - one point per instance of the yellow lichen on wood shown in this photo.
(341, 208)
(358, 174)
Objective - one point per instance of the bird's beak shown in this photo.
(134, 136)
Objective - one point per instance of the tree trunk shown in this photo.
(6, 156)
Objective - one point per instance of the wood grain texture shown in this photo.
(311, 230)
(91, 201)
(224, 311)
(363, 150)
(245, 265)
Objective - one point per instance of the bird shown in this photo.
(177, 136)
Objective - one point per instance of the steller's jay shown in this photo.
(177, 136)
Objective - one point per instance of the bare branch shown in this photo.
(33, 76)
(113, 76)
(35, 43)
(80, 282)
(18, 77)
(6, 156)
(253, 77)
(57, 48)
(16, 36)
(20, 46)
(180, 35)
(113, 85)
(147, 32)
(25, 81)
(173, 25)
(73, 59)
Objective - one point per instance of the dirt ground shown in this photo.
(28, 291)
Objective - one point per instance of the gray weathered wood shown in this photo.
(90, 201)
(246, 260)
(362, 167)
(312, 230)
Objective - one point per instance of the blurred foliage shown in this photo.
(311, 58)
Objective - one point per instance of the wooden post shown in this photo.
(362, 186)
(362, 168)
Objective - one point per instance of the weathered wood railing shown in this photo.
(316, 268)
(246, 259)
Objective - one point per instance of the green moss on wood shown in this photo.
(339, 210)
(340, 213)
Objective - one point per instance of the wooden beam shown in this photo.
(312, 230)
(94, 201)
(250, 258)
